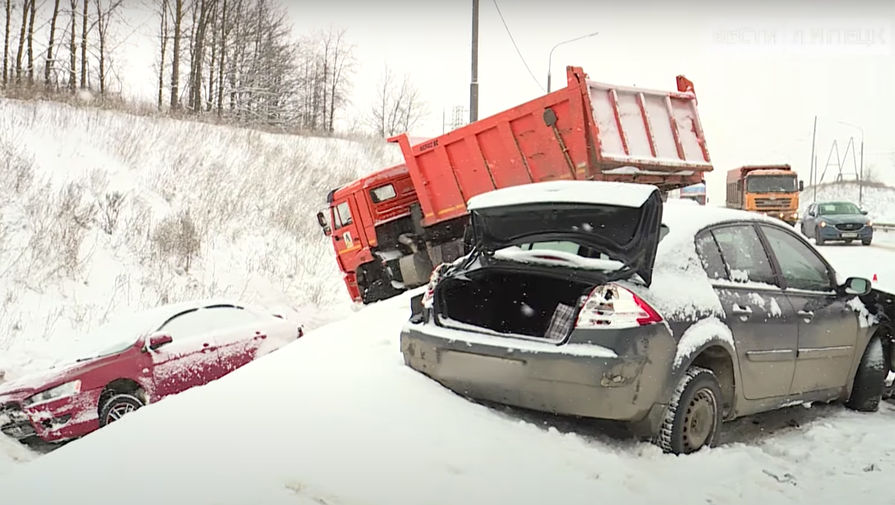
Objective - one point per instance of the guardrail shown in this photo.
(884, 226)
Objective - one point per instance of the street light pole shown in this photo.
(474, 82)
(550, 57)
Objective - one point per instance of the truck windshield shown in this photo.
(771, 184)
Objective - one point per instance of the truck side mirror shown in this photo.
(801, 185)
(321, 220)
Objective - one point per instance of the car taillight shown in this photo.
(613, 306)
(430, 288)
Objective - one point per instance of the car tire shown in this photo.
(693, 417)
(848, 241)
(117, 406)
(867, 241)
(817, 238)
(867, 389)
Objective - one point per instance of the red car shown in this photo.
(158, 353)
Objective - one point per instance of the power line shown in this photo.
(516, 46)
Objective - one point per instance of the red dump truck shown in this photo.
(389, 228)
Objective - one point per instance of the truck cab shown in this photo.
(356, 217)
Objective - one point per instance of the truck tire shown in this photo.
(867, 389)
(693, 417)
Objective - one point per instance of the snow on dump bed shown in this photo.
(680, 288)
(337, 418)
(589, 192)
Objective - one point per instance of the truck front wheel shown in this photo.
(374, 284)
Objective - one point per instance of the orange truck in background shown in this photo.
(772, 190)
(391, 227)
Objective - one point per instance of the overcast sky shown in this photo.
(762, 70)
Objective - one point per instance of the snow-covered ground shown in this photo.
(203, 211)
(337, 418)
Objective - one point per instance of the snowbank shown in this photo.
(879, 200)
(337, 418)
(103, 212)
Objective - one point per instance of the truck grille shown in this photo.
(773, 203)
(14, 422)
(849, 226)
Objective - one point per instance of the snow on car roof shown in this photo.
(680, 286)
(621, 194)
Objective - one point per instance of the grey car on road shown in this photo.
(595, 299)
(845, 221)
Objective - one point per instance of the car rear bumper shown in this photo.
(830, 232)
(567, 380)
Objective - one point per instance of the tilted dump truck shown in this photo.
(389, 228)
(772, 190)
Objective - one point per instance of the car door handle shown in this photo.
(743, 311)
(807, 314)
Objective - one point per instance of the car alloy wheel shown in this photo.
(117, 407)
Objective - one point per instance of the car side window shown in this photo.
(202, 321)
(801, 267)
(710, 256)
(744, 254)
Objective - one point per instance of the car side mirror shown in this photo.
(157, 340)
(857, 286)
(812, 213)
(801, 185)
(321, 220)
(864, 211)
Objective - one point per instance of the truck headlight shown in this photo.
(62, 391)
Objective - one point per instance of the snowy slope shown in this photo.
(68, 260)
(337, 418)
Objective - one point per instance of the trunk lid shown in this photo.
(618, 221)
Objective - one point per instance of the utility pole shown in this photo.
(861, 176)
(474, 83)
(811, 175)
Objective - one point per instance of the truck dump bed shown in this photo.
(587, 130)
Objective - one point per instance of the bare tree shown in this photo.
(6, 43)
(33, 12)
(213, 59)
(163, 40)
(21, 49)
(203, 13)
(103, 19)
(225, 31)
(48, 69)
(397, 108)
(175, 58)
(84, 32)
(340, 64)
(73, 48)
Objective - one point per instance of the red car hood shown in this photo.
(27, 385)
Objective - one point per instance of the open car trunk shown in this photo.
(512, 302)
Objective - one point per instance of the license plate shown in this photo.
(849, 235)
(479, 368)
